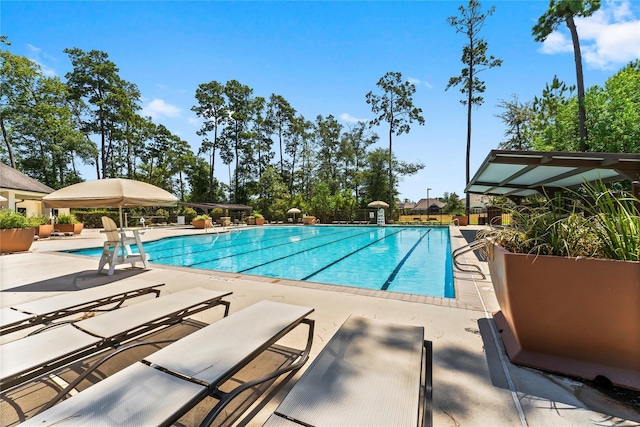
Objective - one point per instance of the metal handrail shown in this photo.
(471, 268)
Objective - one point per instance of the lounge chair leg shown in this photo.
(225, 398)
(89, 370)
(427, 416)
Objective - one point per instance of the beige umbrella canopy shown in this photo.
(109, 193)
(378, 204)
(294, 211)
(3, 199)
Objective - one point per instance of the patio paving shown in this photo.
(474, 384)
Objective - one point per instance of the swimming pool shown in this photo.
(415, 260)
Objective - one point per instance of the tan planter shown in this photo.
(251, 220)
(44, 231)
(575, 316)
(201, 223)
(259, 221)
(70, 228)
(462, 220)
(16, 239)
(309, 220)
(225, 221)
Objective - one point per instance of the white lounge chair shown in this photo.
(168, 383)
(35, 355)
(117, 249)
(371, 373)
(46, 310)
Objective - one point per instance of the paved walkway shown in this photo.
(473, 382)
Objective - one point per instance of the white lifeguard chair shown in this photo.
(381, 220)
(117, 248)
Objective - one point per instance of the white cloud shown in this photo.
(556, 43)
(157, 109)
(419, 82)
(350, 119)
(35, 54)
(609, 38)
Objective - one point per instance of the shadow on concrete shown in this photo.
(470, 236)
(76, 281)
(449, 397)
(24, 401)
(544, 388)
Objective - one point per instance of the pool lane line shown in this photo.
(310, 249)
(154, 259)
(234, 242)
(245, 241)
(401, 263)
(348, 255)
(275, 246)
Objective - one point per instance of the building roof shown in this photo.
(405, 205)
(12, 179)
(422, 204)
(525, 173)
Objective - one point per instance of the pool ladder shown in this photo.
(470, 268)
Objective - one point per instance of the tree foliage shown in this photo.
(564, 11)
(39, 132)
(474, 55)
(395, 107)
(613, 116)
(517, 119)
(276, 158)
(453, 205)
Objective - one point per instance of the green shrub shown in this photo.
(163, 213)
(598, 225)
(202, 217)
(615, 219)
(93, 218)
(10, 219)
(217, 213)
(38, 220)
(67, 219)
(257, 214)
(189, 214)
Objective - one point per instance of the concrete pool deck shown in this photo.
(474, 384)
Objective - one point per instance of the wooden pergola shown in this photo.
(227, 207)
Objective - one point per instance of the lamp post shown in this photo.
(428, 204)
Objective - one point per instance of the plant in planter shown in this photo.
(568, 285)
(258, 218)
(42, 224)
(16, 234)
(201, 221)
(68, 223)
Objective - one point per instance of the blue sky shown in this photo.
(323, 57)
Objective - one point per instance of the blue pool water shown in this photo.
(415, 260)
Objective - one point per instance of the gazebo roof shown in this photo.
(525, 173)
(228, 206)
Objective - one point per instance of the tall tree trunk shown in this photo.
(235, 172)
(212, 161)
(292, 173)
(390, 171)
(103, 146)
(582, 114)
(281, 158)
(469, 105)
(7, 142)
